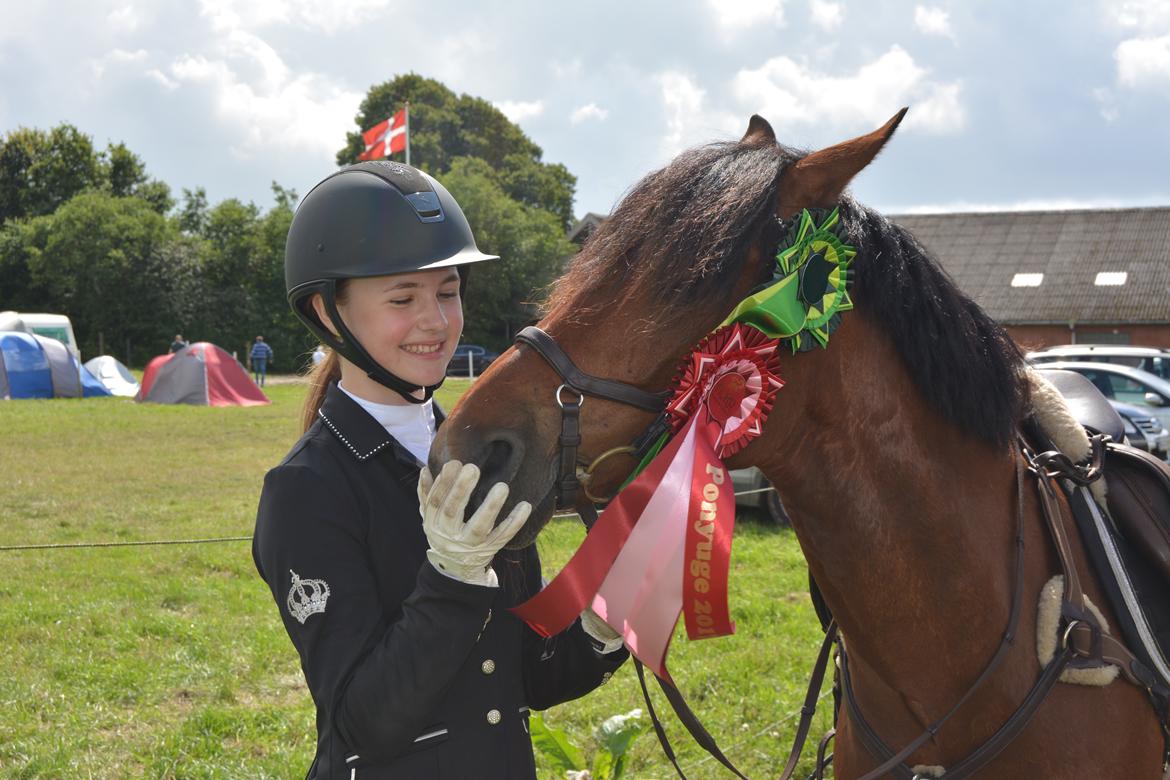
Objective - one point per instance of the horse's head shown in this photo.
(688, 243)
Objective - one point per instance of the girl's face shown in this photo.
(410, 323)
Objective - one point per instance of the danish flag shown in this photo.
(385, 138)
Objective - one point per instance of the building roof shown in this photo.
(585, 226)
(984, 252)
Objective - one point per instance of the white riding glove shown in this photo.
(464, 551)
(601, 631)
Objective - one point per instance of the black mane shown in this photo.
(683, 233)
(962, 361)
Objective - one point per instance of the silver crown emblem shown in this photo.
(306, 597)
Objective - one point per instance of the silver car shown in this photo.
(1127, 385)
(1142, 430)
(1152, 359)
(753, 489)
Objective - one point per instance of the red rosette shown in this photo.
(731, 378)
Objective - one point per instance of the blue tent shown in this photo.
(33, 366)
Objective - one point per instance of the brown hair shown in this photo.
(325, 372)
(319, 378)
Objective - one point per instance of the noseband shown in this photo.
(570, 396)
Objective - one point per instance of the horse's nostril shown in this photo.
(498, 461)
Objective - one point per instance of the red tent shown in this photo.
(200, 374)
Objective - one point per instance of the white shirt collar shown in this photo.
(412, 425)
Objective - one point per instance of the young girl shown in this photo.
(397, 607)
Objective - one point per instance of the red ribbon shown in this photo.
(556, 606)
(723, 395)
(710, 524)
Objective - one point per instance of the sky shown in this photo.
(1013, 105)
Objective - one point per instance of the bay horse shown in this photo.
(893, 448)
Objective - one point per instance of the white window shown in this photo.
(1111, 278)
(1027, 280)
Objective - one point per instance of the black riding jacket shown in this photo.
(414, 674)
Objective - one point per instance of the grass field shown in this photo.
(170, 661)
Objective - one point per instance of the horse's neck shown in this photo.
(906, 523)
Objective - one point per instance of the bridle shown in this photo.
(571, 493)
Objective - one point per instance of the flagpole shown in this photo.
(408, 132)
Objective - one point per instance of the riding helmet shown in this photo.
(371, 219)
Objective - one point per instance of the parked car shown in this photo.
(1142, 389)
(470, 360)
(1144, 431)
(752, 488)
(1156, 361)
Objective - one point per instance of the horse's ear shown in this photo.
(818, 179)
(759, 131)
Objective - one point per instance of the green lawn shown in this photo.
(171, 662)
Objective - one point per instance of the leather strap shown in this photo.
(810, 705)
(587, 384)
(687, 718)
(569, 441)
(873, 743)
(1082, 639)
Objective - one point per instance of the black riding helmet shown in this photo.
(371, 219)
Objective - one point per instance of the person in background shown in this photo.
(397, 606)
(259, 358)
(178, 343)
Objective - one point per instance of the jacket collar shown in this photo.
(360, 433)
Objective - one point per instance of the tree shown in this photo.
(519, 206)
(40, 170)
(105, 261)
(123, 174)
(241, 280)
(530, 242)
(445, 126)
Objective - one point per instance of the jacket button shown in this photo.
(488, 666)
(493, 717)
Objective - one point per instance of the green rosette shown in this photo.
(802, 304)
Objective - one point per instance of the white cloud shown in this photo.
(734, 15)
(683, 99)
(97, 66)
(1144, 63)
(933, 21)
(688, 120)
(826, 15)
(1145, 14)
(518, 111)
(1104, 97)
(571, 69)
(266, 106)
(308, 14)
(124, 19)
(789, 94)
(588, 111)
(163, 79)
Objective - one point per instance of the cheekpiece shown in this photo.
(306, 597)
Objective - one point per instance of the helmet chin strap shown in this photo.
(353, 351)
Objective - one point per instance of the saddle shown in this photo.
(1127, 539)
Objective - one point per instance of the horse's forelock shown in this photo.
(680, 234)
